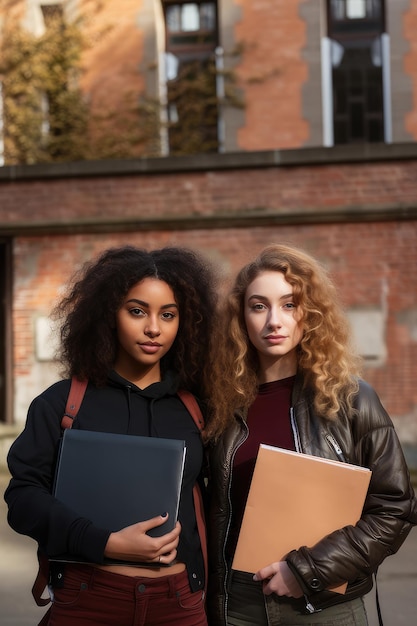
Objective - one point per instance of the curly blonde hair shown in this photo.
(325, 358)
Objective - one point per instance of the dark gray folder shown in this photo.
(117, 480)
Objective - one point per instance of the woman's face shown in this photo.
(273, 322)
(147, 324)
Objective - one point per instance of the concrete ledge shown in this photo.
(355, 153)
(241, 219)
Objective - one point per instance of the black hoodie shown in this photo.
(119, 407)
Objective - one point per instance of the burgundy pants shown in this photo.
(92, 596)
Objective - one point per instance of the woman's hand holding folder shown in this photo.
(132, 543)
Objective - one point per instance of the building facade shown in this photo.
(279, 74)
(314, 145)
(355, 208)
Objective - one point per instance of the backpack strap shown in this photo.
(75, 397)
(41, 580)
(192, 407)
(194, 410)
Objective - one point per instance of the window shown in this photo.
(341, 10)
(355, 30)
(51, 12)
(191, 24)
(191, 40)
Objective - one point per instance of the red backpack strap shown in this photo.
(193, 408)
(41, 580)
(75, 397)
(201, 527)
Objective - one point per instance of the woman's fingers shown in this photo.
(279, 579)
(133, 542)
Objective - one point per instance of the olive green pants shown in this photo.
(246, 607)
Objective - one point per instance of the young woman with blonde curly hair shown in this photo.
(287, 377)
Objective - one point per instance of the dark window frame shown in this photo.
(201, 42)
(358, 106)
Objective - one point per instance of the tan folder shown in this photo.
(295, 500)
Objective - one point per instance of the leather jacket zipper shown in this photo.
(229, 487)
(309, 607)
(296, 434)
(333, 444)
(335, 447)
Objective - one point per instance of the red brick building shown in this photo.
(308, 72)
(323, 154)
(355, 208)
(305, 73)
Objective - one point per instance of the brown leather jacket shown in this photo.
(350, 554)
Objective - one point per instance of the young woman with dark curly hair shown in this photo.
(136, 325)
(288, 378)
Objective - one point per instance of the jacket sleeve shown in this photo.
(33, 511)
(355, 552)
(217, 528)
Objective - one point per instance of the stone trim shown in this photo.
(365, 153)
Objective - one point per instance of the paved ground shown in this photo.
(397, 580)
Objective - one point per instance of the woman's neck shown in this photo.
(277, 370)
(139, 377)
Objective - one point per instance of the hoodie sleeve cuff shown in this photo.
(88, 541)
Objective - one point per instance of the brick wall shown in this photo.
(410, 63)
(374, 265)
(357, 215)
(272, 72)
(114, 53)
(329, 188)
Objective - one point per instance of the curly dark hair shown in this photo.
(88, 311)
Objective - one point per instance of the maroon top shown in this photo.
(268, 422)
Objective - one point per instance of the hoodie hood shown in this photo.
(168, 386)
(143, 402)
